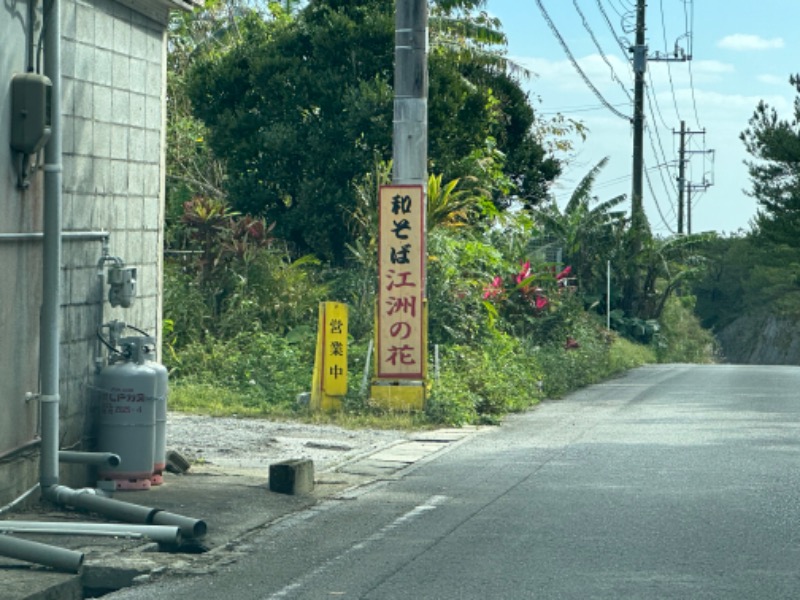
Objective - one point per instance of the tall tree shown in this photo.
(301, 109)
(774, 144)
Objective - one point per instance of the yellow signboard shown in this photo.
(329, 383)
(400, 348)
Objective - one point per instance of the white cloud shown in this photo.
(711, 67)
(563, 77)
(742, 41)
(703, 72)
(772, 79)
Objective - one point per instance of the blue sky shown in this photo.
(743, 51)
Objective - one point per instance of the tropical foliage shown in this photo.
(286, 91)
(281, 120)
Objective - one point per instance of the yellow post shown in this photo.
(329, 381)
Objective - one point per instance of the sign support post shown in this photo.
(401, 312)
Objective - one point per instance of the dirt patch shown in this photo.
(234, 445)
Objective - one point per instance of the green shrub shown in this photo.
(186, 314)
(265, 371)
(681, 338)
(458, 268)
(625, 354)
(450, 401)
(484, 382)
(578, 358)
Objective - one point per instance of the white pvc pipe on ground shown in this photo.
(158, 533)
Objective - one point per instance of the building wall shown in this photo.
(112, 91)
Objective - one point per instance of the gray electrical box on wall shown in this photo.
(31, 112)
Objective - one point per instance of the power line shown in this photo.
(575, 64)
(600, 50)
(626, 15)
(577, 109)
(690, 38)
(662, 157)
(613, 31)
(623, 178)
(669, 69)
(655, 99)
(658, 206)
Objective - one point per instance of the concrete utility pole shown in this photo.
(639, 227)
(410, 144)
(684, 185)
(639, 68)
(689, 209)
(401, 332)
(681, 175)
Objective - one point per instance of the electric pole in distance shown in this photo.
(685, 186)
(639, 68)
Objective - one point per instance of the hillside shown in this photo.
(761, 340)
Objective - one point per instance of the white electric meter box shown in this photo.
(31, 112)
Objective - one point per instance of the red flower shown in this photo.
(525, 272)
(494, 289)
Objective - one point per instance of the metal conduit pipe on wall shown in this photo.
(49, 342)
(17, 501)
(32, 236)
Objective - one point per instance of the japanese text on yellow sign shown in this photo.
(334, 348)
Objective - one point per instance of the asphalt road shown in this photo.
(670, 482)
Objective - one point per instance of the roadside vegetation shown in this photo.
(279, 135)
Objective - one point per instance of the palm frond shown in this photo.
(584, 188)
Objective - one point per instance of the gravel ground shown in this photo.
(234, 445)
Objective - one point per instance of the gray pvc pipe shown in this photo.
(51, 249)
(11, 505)
(89, 458)
(121, 511)
(190, 528)
(41, 554)
(158, 533)
(125, 511)
(33, 236)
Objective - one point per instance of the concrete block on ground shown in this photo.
(294, 476)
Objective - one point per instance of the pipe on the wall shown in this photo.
(33, 236)
(31, 46)
(30, 444)
(16, 502)
(49, 341)
(107, 459)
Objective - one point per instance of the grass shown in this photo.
(478, 384)
(215, 401)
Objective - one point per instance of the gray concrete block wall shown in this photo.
(20, 282)
(113, 179)
(113, 67)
